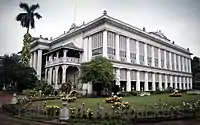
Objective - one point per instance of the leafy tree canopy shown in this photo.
(16, 75)
(99, 72)
(195, 64)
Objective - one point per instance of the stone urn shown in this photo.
(64, 111)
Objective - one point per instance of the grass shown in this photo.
(135, 101)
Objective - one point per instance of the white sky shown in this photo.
(179, 20)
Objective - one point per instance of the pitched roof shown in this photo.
(72, 46)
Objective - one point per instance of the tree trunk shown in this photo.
(27, 30)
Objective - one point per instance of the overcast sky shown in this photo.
(179, 20)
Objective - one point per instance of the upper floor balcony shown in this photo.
(67, 54)
(64, 60)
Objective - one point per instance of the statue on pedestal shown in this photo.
(14, 99)
(64, 111)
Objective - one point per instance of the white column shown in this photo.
(50, 76)
(153, 59)
(137, 53)
(184, 87)
(191, 86)
(39, 64)
(65, 53)
(85, 48)
(166, 81)
(138, 81)
(64, 67)
(105, 44)
(35, 60)
(180, 82)
(117, 47)
(159, 58)
(128, 50)
(56, 77)
(153, 82)
(165, 59)
(146, 86)
(171, 81)
(145, 55)
(89, 48)
(188, 82)
(176, 87)
(31, 60)
(160, 82)
(128, 83)
(170, 60)
(46, 73)
(57, 55)
(117, 76)
(175, 63)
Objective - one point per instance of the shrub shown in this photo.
(157, 92)
(113, 99)
(124, 94)
(10, 108)
(115, 89)
(175, 94)
(48, 90)
(52, 110)
(134, 93)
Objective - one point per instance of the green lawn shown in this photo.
(135, 101)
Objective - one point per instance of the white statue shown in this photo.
(14, 99)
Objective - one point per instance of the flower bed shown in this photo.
(113, 99)
(122, 105)
(175, 94)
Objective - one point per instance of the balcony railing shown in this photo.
(64, 60)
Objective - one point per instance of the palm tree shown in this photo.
(27, 20)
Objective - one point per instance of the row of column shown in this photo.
(52, 73)
(187, 63)
(36, 62)
(186, 80)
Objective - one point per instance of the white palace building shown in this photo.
(143, 61)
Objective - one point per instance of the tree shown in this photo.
(17, 75)
(27, 20)
(195, 65)
(99, 72)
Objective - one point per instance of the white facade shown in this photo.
(143, 61)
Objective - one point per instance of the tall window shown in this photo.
(142, 76)
(149, 55)
(181, 63)
(162, 58)
(123, 74)
(188, 66)
(141, 52)
(185, 66)
(150, 75)
(111, 43)
(122, 48)
(133, 75)
(133, 50)
(97, 44)
(172, 59)
(167, 59)
(177, 62)
(156, 56)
